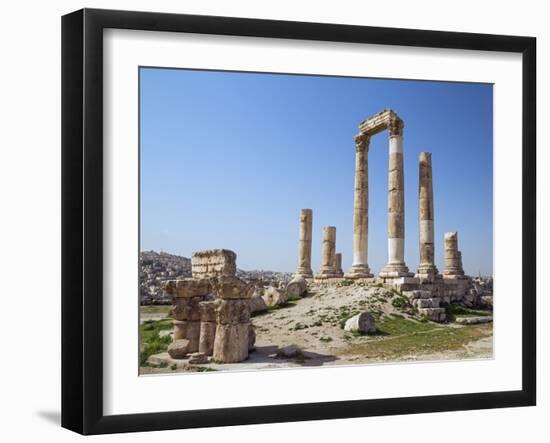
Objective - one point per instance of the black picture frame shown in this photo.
(82, 218)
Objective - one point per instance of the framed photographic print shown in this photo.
(268, 221)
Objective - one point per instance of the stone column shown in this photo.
(396, 204)
(328, 252)
(231, 341)
(338, 264)
(187, 294)
(360, 267)
(426, 268)
(453, 257)
(304, 246)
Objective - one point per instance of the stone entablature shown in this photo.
(386, 119)
(213, 263)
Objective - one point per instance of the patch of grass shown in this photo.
(299, 326)
(395, 325)
(205, 369)
(325, 339)
(150, 341)
(155, 309)
(346, 283)
(458, 311)
(432, 339)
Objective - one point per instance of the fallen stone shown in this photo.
(275, 296)
(474, 320)
(198, 358)
(363, 322)
(296, 287)
(257, 304)
(178, 348)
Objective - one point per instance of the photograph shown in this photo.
(295, 221)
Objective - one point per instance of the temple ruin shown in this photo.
(435, 288)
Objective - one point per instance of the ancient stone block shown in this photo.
(178, 348)
(296, 287)
(226, 287)
(186, 308)
(275, 297)
(233, 311)
(213, 263)
(231, 343)
(433, 314)
(187, 287)
(207, 310)
(363, 322)
(426, 303)
(257, 304)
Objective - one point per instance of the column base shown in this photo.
(306, 273)
(395, 270)
(327, 273)
(359, 271)
(427, 272)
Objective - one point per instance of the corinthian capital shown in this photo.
(395, 126)
(362, 142)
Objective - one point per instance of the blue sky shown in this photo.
(228, 159)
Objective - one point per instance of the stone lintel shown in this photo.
(386, 119)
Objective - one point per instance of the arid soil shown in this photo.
(313, 327)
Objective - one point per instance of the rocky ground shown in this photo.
(309, 332)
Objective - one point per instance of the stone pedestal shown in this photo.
(360, 267)
(328, 253)
(426, 268)
(304, 246)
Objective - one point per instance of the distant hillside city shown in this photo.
(156, 267)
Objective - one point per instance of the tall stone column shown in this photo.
(426, 268)
(396, 204)
(360, 267)
(453, 257)
(328, 253)
(304, 245)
